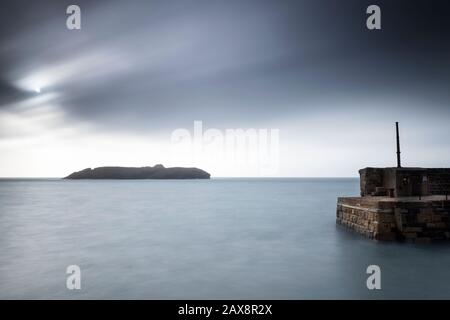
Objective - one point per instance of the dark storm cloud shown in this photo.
(10, 94)
(159, 64)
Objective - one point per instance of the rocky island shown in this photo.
(156, 172)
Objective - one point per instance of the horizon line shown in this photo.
(231, 177)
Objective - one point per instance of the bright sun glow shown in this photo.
(37, 89)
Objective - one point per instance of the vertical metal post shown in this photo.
(399, 164)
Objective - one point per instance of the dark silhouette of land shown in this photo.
(156, 172)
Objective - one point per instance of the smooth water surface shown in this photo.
(205, 239)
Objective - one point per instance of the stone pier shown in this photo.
(403, 219)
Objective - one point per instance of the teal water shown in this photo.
(217, 239)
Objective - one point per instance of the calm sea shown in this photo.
(217, 239)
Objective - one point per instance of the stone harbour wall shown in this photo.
(423, 181)
(370, 178)
(439, 181)
(389, 219)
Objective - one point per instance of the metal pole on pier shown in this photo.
(399, 164)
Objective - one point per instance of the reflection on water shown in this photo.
(223, 238)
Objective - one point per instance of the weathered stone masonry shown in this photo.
(403, 182)
(384, 218)
(406, 204)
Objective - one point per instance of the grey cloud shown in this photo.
(159, 64)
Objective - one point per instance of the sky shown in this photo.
(314, 92)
